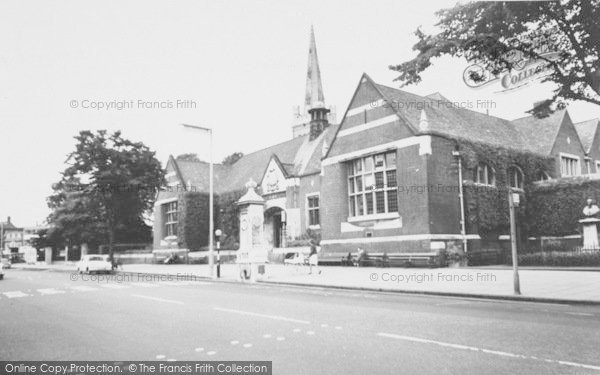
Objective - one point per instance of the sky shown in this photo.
(237, 66)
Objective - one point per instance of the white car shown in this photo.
(1, 271)
(296, 258)
(94, 263)
(6, 263)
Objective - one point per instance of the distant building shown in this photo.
(11, 237)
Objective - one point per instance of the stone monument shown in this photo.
(590, 225)
(252, 255)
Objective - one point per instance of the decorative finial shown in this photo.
(250, 185)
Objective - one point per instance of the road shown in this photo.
(48, 316)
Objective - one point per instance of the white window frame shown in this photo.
(577, 159)
(519, 170)
(487, 169)
(546, 175)
(308, 209)
(172, 223)
(387, 190)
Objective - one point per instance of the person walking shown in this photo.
(313, 259)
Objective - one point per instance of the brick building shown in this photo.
(386, 178)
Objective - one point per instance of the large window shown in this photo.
(515, 177)
(484, 174)
(372, 185)
(313, 210)
(569, 166)
(171, 219)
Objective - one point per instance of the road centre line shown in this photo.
(274, 317)
(487, 351)
(158, 299)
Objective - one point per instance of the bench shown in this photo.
(400, 260)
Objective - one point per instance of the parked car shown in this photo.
(295, 258)
(94, 263)
(1, 271)
(6, 263)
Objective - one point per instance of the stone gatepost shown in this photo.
(590, 233)
(252, 255)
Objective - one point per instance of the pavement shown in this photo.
(65, 316)
(537, 284)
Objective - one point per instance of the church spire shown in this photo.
(314, 88)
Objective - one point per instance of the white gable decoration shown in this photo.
(274, 180)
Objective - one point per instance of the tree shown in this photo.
(500, 36)
(110, 183)
(231, 159)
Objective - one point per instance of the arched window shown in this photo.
(542, 176)
(484, 174)
(515, 177)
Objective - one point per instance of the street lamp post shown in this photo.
(211, 225)
(513, 201)
(218, 234)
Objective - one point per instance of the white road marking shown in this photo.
(211, 353)
(235, 342)
(296, 330)
(160, 356)
(114, 286)
(487, 351)
(248, 345)
(579, 313)
(452, 303)
(324, 325)
(83, 288)
(274, 317)
(15, 294)
(158, 299)
(267, 336)
(280, 338)
(50, 291)
(338, 327)
(169, 283)
(310, 332)
(199, 350)
(145, 285)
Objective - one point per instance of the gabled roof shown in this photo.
(448, 119)
(7, 225)
(541, 133)
(296, 157)
(587, 131)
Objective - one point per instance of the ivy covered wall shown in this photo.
(193, 223)
(192, 227)
(555, 206)
(486, 207)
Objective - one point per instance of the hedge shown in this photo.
(561, 259)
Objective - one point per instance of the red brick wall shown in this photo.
(567, 131)
(444, 203)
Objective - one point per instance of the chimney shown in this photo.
(8, 219)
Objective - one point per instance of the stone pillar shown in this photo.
(590, 233)
(252, 254)
(84, 249)
(48, 255)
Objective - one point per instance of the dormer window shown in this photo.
(515, 177)
(485, 175)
